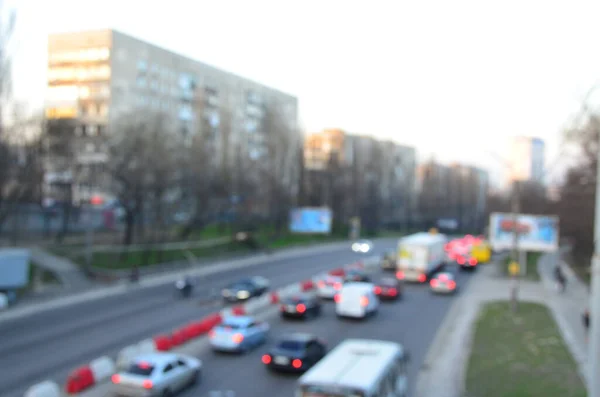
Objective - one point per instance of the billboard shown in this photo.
(311, 220)
(14, 268)
(536, 232)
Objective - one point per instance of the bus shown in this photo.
(358, 368)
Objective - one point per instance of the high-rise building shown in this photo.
(96, 77)
(527, 159)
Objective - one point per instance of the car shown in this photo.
(245, 289)
(466, 262)
(443, 283)
(157, 374)
(388, 262)
(362, 246)
(330, 286)
(295, 352)
(301, 306)
(238, 334)
(356, 300)
(356, 275)
(388, 288)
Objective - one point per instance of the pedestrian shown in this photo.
(586, 322)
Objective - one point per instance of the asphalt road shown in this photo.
(50, 344)
(412, 322)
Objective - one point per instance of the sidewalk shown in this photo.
(444, 369)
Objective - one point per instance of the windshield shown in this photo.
(228, 326)
(291, 345)
(241, 285)
(143, 369)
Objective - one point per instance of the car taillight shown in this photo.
(337, 286)
(300, 308)
(237, 338)
(422, 278)
(297, 363)
(147, 384)
(460, 260)
(211, 334)
(266, 359)
(321, 284)
(434, 283)
(364, 301)
(115, 378)
(400, 275)
(451, 284)
(393, 291)
(378, 290)
(337, 298)
(472, 261)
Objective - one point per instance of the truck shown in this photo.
(420, 256)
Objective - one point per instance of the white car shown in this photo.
(157, 374)
(443, 283)
(357, 300)
(330, 286)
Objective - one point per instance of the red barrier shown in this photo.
(307, 285)
(192, 330)
(162, 343)
(274, 298)
(238, 310)
(79, 379)
(178, 337)
(338, 272)
(208, 322)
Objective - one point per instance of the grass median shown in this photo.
(520, 355)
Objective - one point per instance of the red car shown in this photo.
(388, 289)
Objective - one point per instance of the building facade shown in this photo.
(95, 78)
(527, 159)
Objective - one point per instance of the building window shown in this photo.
(142, 66)
(103, 109)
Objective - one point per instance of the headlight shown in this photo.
(355, 247)
(365, 248)
(243, 294)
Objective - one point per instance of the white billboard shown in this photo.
(536, 232)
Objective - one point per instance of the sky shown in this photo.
(454, 79)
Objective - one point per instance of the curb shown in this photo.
(86, 377)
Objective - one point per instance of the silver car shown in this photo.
(157, 374)
(443, 283)
(238, 334)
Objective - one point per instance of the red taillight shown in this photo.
(378, 290)
(472, 261)
(364, 301)
(337, 286)
(297, 363)
(266, 359)
(393, 291)
(434, 283)
(237, 338)
(460, 260)
(211, 334)
(300, 308)
(422, 278)
(147, 384)
(451, 284)
(116, 378)
(337, 298)
(400, 275)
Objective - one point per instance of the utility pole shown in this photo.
(515, 209)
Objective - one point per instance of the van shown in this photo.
(357, 300)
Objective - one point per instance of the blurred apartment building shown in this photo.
(96, 77)
(456, 191)
(359, 176)
(527, 157)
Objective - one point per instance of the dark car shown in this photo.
(245, 289)
(301, 306)
(388, 289)
(357, 275)
(295, 353)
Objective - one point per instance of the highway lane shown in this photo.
(50, 344)
(412, 322)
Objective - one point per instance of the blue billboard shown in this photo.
(14, 268)
(311, 220)
(536, 232)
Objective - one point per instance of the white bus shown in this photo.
(420, 255)
(358, 368)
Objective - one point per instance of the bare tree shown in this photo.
(142, 165)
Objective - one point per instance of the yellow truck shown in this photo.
(482, 252)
